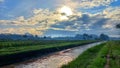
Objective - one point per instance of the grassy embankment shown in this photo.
(12, 51)
(106, 55)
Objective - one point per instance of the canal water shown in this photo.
(54, 60)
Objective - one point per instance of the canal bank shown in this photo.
(54, 60)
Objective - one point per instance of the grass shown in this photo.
(112, 48)
(115, 55)
(17, 51)
(100, 60)
(85, 58)
(12, 47)
(96, 57)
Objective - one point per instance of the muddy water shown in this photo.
(54, 60)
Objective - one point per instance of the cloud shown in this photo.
(22, 30)
(110, 24)
(112, 12)
(39, 22)
(85, 3)
(82, 22)
(118, 26)
(114, 17)
(43, 20)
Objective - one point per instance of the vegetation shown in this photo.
(106, 55)
(85, 58)
(15, 51)
(114, 54)
(11, 47)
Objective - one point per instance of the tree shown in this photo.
(104, 37)
(85, 36)
(36, 36)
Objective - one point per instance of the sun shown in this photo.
(67, 11)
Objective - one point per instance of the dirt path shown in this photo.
(108, 61)
(108, 56)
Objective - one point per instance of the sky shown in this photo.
(60, 17)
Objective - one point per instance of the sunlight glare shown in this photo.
(66, 10)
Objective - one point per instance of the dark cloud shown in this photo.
(84, 24)
(118, 26)
(99, 23)
(84, 21)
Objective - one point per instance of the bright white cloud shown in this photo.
(85, 3)
(66, 10)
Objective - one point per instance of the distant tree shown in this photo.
(25, 36)
(85, 36)
(77, 35)
(44, 37)
(36, 36)
(104, 37)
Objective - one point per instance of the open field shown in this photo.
(12, 51)
(12, 47)
(106, 55)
